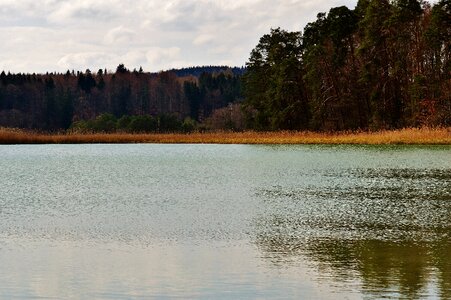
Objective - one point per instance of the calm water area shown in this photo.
(143, 221)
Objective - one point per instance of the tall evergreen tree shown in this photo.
(273, 83)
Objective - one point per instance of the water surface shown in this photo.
(225, 221)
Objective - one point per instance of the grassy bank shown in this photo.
(414, 136)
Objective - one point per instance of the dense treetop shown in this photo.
(385, 64)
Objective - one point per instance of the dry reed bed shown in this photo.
(424, 136)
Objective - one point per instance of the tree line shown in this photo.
(84, 100)
(109, 123)
(385, 64)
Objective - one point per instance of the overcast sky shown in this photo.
(57, 35)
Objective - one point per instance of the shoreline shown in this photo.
(408, 136)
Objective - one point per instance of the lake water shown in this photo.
(225, 222)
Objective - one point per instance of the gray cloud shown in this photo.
(85, 11)
(56, 35)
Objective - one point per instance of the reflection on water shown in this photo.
(386, 269)
(366, 204)
(390, 228)
(225, 221)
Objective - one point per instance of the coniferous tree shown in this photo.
(273, 82)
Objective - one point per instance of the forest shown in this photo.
(382, 65)
(125, 100)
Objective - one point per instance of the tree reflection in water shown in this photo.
(386, 230)
(386, 269)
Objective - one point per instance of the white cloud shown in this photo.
(160, 57)
(49, 35)
(203, 39)
(88, 60)
(119, 35)
(135, 59)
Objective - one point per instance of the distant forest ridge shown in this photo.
(96, 101)
(197, 71)
(180, 72)
(385, 64)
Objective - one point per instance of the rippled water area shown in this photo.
(225, 222)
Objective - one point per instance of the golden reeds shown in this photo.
(418, 136)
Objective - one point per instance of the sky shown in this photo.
(58, 35)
